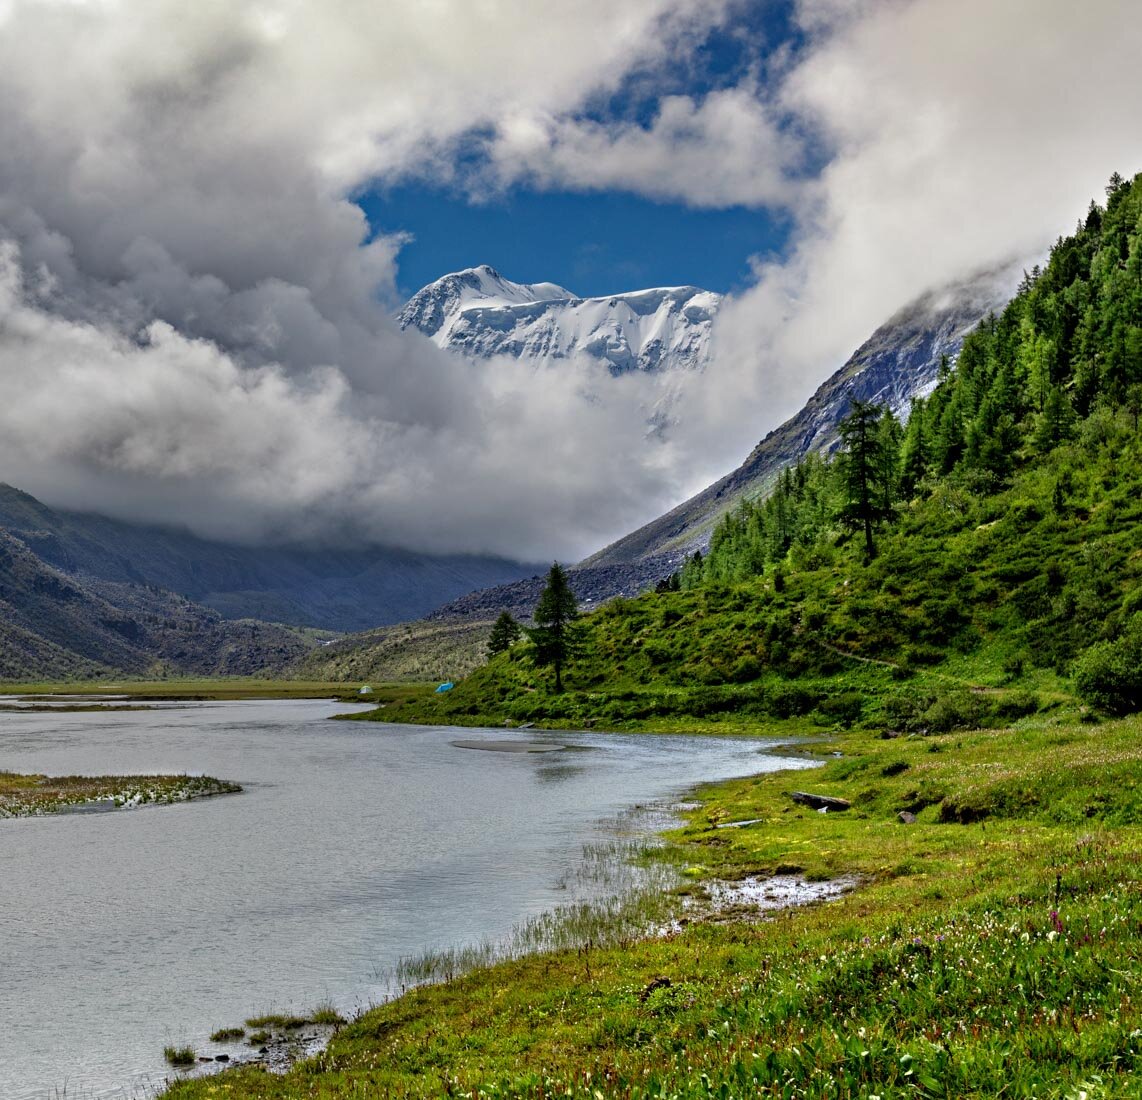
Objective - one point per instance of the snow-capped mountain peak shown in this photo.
(480, 314)
(432, 306)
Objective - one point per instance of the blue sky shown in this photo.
(593, 244)
(604, 241)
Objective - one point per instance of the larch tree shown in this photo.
(505, 633)
(555, 615)
(862, 471)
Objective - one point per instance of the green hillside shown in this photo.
(988, 818)
(1007, 543)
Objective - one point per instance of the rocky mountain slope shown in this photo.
(480, 314)
(325, 588)
(56, 625)
(901, 360)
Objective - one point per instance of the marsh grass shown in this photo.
(277, 1022)
(326, 1015)
(621, 891)
(228, 1035)
(180, 1056)
(33, 795)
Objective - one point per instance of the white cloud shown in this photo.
(724, 150)
(962, 136)
(191, 327)
(175, 429)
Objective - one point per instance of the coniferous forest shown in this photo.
(990, 541)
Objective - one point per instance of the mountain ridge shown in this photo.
(899, 361)
(479, 314)
(349, 589)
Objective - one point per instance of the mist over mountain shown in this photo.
(900, 361)
(327, 588)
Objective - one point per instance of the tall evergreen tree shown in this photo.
(916, 450)
(861, 465)
(555, 615)
(505, 633)
(889, 438)
(1055, 422)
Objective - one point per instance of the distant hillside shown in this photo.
(416, 651)
(54, 625)
(323, 588)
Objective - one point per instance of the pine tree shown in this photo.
(555, 615)
(505, 633)
(861, 465)
(916, 449)
(1055, 422)
(889, 438)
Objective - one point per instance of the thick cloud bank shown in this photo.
(194, 329)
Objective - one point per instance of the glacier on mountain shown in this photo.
(479, 314)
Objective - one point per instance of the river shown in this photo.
(352, 845)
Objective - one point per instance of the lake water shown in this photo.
(353, 844)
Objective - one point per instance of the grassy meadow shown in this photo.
(992, 948)
(205, 688)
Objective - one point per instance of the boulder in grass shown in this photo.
(820, 801)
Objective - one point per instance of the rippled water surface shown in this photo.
(353, 844)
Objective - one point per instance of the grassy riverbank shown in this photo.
(994, 948)
(36, 795)
(209, 688)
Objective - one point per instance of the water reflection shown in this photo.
(551, 772)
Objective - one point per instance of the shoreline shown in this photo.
(680, 902)
(1014, 850)
(963, 905)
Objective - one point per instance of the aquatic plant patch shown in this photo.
(35, 795)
